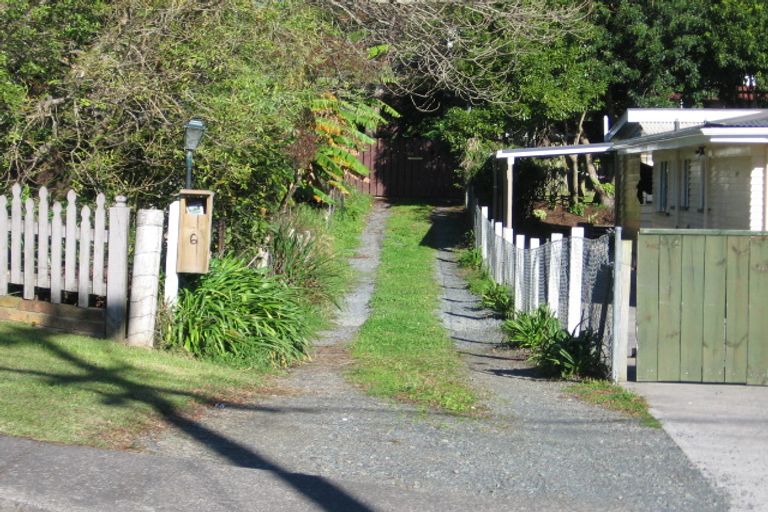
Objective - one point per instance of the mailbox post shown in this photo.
(195, 225)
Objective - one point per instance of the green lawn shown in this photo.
(72, 389)
(402, 349)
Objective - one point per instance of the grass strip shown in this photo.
(78, 390)
(615, 398)
(402, 349)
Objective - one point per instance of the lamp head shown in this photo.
(193, 133)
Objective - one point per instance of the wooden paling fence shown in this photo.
(702, 306)
(63, 250)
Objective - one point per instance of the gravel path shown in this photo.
(536, 450)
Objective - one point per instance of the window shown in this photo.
(685, 186)
(661, 204)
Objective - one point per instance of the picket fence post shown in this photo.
(555, 268)
(117, 269)
(171, 285)
(535, 272)
(575, 278)
(520, 293)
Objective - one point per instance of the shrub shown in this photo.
(240, 315)
(470, 258)
(531, 330)
(578, 208)
(304, 258)
(498, 298)
(570, 356)
(553, 349)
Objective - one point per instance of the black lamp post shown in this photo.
(193, 133)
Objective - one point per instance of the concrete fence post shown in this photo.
(117, 268)
(146, 278)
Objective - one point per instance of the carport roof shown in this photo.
(552, 151)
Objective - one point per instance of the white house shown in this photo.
(676, 168)
(704, 168)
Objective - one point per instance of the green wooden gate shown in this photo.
(702, 306)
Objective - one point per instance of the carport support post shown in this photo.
(508, 193)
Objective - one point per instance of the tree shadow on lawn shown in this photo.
(319, 490)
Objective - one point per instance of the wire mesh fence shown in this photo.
(574, 276)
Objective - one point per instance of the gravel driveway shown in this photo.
(536, 450)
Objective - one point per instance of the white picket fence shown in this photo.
(574, 276)
(65, 250)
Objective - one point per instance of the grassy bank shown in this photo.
(615, 398)
(72, 389)
(78, 390)
(402, 350)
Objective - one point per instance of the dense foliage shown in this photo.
(284, 94)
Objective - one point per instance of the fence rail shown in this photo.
(61, 249)
(574, 276)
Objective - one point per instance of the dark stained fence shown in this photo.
(702, 306)
(409, 169)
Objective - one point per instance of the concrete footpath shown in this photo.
(723, 429)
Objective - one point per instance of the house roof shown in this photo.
(649, 129)
(759, 120)
(640, 122)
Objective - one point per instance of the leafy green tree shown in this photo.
(252, 71)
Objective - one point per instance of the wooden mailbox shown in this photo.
(195, 224)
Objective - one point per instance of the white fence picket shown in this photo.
(117, 269)
(29, 249)
(534, 272)
(574, 280)
(520, 295)
(3, 245)
(16, 228)
(43, 233)
(57, 237)
(99, 239)
(70, 241)
(84, 274)
(555, 266)
(63, 252)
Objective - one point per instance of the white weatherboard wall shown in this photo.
(734, 189)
